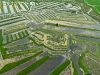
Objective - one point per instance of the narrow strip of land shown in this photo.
(48, 66)
(21, 67)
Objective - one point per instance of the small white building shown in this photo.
(69, 5)
(72, 8)
(32, 3)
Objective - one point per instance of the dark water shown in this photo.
(88, 39)
(93, 48)
(99, 48)
(88, 46)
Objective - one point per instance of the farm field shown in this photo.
(46, 37)
(89, 60)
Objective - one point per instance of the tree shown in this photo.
(57, 24)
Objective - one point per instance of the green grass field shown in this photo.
(94, 3)
(97, 8)
(0, 4)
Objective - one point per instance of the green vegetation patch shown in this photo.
(20, 37)
(0, 4)
(33, 66)
(15, 28)
(12, 65)
(81, 64)
(14, 9)
(25, 6)
(59, 69)
(92, 2)
(95, 4)
(97, 8)
(3, 51)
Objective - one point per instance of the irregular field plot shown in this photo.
(73, 18)
(21, 41)
(54, 39)
(20, 48)
(15, 28)
(92, 63)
